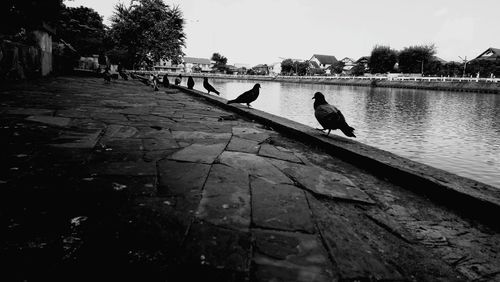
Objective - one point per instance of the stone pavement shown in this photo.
(116, 181)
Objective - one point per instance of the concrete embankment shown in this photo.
(467, 196)
(458, 86)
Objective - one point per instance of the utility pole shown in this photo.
(465, 64)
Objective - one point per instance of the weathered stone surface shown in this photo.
(127, 144)
(159, 144)
(218, 248)
(267, 150)
(190, 135)
(254, 165)
(82, 140)
(57, 121)
(199, 153)
(280, 206)
(353, 256)
(250, 133)
(29, 111)
(119, 131)
(226, 198)
(323, 182)
(181, 179)
(283, 256)
(243, 145)
(125, 168)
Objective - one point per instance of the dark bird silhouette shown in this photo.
(107, 76)
(247, 97)
(329, 116)
(166, 83)
(123, 75)
(178, 80)
(190, 82)
(209, 87)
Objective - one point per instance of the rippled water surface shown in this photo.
(454, 131)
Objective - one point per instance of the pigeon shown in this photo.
(209, 87)
(247, 97)
(123, 75)
(190, 82)
(166, 83)
(107, 76)
(330, 117)
(178, 79)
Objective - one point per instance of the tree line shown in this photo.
(141, 33)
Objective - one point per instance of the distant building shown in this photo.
(364, 61)
(348, 64)
(197, 64)
(437, 59)
(261, 69)
(491, 54)
(275, 68)
(164, 65)
(323, 61)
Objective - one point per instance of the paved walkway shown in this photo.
(117, 181)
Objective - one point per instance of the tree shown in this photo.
(147, 31)
(484, 67)
(19, 16)
(337, 67)
(382, 59)
(416, 59)
(287, 66)
(83, 28)
(220, 62)
(290, 66)
(358, 69)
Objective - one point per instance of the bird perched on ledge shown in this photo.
(190, 82)
(247, 97)
(209, 87)
(329, 116)
(178, 80)
(166, 83)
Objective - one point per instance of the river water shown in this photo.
(454, 131)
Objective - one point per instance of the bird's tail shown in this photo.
(216, 92)
(348, 131)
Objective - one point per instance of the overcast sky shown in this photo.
(262, 31)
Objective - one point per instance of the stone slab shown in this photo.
(217, 248)
(226, 198)
(29, 111)
(190, 135)
(199, 153)
(356, 259)
(159, 144)
(284, 256)
(250, 133)
(80, 140)
(280, 207)
(136, 168)
(243, 145)
(254, 165)
(57, 121)
(180, 178)
(268, 150)
(323, 182)
(119, 131)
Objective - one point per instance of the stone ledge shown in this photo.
(467, 196)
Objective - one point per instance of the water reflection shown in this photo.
(454, 131)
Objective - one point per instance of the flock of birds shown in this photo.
(328, 116)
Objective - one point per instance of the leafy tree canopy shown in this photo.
(412, 58)
(83, 28)
(147, 31)
(337, 67)
(220, 62)
(289, 66)
(382, 59)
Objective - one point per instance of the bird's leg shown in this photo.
(328, 132)
(248, 105)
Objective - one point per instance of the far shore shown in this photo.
(455, 84)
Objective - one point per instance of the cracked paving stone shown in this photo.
(226, 198)
(190, 135)
(159, 144)
(251, 133)
(119, 131)
(199, 153)
(354, 257)
(323, 182)
(243, 145)
(280, 206)
(181, 179)
(217, 248)
(267, 150)
(285, 256)
(80, 140)
(254, 165)
(29, 111)
(136, 168)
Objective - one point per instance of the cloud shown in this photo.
(441, 12)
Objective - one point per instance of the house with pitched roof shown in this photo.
(491, 54)
(197, 64)
(323, 61)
